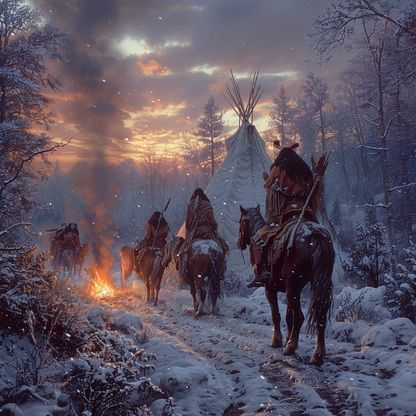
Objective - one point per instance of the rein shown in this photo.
(253, 223)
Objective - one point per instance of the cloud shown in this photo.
(148, 68)
(152, 68)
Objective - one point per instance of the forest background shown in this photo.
(367, 121)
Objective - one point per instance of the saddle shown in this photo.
(142, 251)
(280, 240)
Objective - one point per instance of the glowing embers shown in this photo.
(100, 285)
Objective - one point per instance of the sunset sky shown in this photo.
(141, 71)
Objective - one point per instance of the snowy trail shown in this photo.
(235, 347)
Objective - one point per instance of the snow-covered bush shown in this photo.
(369, 256)
(367, 303)
(108, 376)
(401, 288)
(54, 308)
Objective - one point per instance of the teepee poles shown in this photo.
(234, 98)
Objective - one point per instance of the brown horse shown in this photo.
(127, 264)
(204, 266)
(149, 267)
(311, 259)
(83, 251)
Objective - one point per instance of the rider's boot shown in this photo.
(261, 274)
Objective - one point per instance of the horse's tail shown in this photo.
(217, 273)
(126, 263)
(157, 265)
(322, 265)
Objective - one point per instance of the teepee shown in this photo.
(239, 180)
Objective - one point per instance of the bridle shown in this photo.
(242, 235)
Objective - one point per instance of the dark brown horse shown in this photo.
(149, 267)
(203, 267)
(83, 251)
(64, 259)
(311, 259)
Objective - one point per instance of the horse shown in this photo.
(310, 259)
(148, 265)
(202, 266)
(126, 264)
(82, 252)
(65, 259)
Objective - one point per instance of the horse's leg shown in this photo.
(148, 293)
(81, 264)
(193, 292)
(202, 295)
(293, 303)
(320, 350)
(289, 323)
(157, 289)
(122, 271)
(271, 296)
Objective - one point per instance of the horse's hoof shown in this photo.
(289, 351)
(317, 360)
(276, 344)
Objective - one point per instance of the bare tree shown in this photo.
(196, 166)
(315, 97)
(386, 31)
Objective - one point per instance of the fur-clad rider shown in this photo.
(155, 235)
(66, 236)
(56, 239)
(287, 189)
(200, 221)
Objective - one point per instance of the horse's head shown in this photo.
(243, 233)
(246, 225)
(167, 250)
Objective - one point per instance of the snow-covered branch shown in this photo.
(408, 185)
(377, 149)
(380, 205)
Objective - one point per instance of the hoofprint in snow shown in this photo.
(223, 365)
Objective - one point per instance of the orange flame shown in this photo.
(100, 285)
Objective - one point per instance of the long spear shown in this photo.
(158, 223)
(318, 173)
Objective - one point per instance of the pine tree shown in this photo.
(282, 116)
(370, 257)
(336, 214)
(210, 127)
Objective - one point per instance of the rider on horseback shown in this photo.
(62, 238)
(155, 235)
(200, 222)
(287, 189)
(71, 236)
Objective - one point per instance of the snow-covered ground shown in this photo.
(223, 365)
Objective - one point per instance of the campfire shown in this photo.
(100, 285)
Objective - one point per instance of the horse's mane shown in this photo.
(256, 220)
(125, 250)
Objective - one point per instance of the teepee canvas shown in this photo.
(239, 180)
